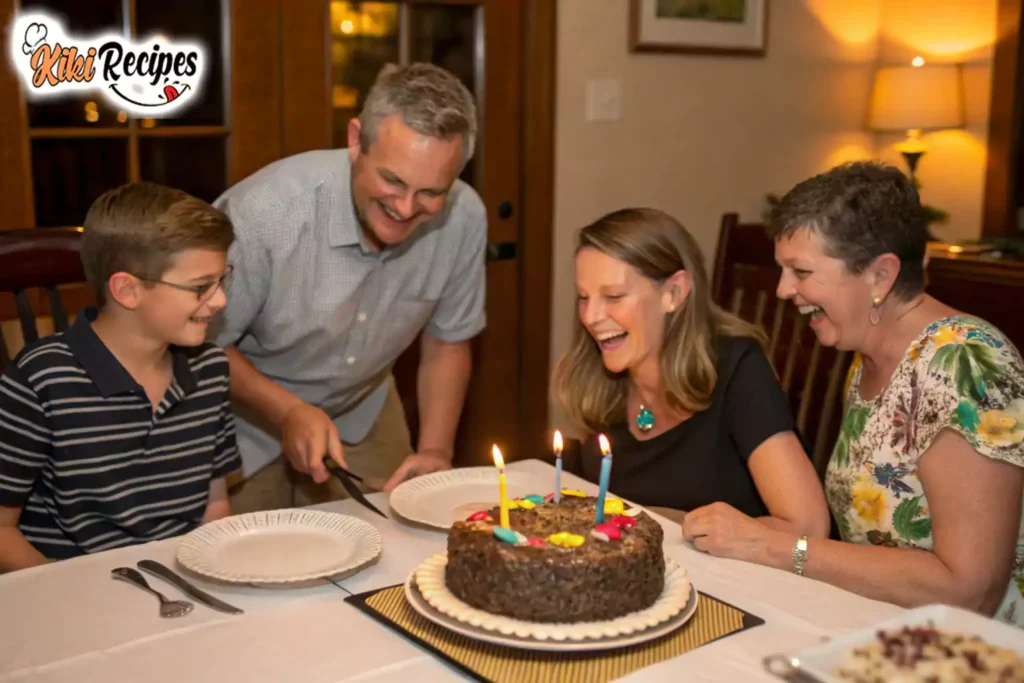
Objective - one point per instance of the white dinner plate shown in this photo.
(427, 593)
(441, 498)
(280, 547)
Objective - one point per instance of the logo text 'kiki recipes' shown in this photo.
(152, 78)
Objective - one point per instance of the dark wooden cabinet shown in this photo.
(987, 286)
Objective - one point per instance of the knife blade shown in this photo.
(159, 570)
(345, 478)
(351, 475)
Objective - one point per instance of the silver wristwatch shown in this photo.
(800, 555)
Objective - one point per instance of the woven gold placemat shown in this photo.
(498, 664)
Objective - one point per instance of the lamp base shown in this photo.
(912, 149)
(912, 158)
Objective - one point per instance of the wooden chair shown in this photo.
(38, 259)
(744, 282)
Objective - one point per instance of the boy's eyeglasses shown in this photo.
(202, 291)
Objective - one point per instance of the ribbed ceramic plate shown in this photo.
(441, 498)
(677, 597)
(278, 547)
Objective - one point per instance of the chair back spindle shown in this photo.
(745, 278)
(34, 260)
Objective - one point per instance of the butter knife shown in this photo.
(159, 570)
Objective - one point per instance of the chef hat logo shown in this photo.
(150, 77)
(35, 34)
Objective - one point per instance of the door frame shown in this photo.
(1002, 173)
(540, 38)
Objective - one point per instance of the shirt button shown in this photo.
(350, 360)
(361, 317)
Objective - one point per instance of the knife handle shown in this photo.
(163, 572)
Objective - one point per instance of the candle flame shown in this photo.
(605, 446)
(499, 461)
(558, 442)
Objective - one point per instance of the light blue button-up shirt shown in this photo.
(316, 310)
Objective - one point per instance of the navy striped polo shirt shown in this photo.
(90, 462)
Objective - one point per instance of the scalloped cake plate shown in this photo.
(441, 498)
(280, 547)
(426, 591)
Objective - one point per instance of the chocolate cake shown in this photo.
(556, 564)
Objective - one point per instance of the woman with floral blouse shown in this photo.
(926, 478)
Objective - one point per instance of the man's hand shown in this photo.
(424, 462)
(307, 434)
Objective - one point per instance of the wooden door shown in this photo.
(481, 42)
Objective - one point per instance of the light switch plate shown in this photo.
(604, 100)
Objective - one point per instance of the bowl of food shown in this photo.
(932, 644)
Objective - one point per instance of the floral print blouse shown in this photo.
(961, 373)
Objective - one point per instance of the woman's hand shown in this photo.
(721, 530)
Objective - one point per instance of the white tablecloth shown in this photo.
(70, 621)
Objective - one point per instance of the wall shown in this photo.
(952, 172)
(702, 135)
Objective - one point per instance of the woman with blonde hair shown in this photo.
(684, 391)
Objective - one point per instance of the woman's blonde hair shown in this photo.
(657, 246)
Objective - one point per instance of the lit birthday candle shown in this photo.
(606, 471)
(558, 466)
(499, 462)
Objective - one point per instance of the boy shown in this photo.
(118, 430)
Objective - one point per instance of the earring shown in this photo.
(875, 316)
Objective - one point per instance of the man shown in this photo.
(341, 258)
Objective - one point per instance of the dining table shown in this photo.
(69, 621)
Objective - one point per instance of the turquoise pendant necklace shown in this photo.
(645, 419)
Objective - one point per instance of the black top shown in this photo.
(90, 462)
(703, 459)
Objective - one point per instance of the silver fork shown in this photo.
(168, 608)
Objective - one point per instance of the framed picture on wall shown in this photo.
(724, 27)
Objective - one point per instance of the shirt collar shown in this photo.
(343, 223)
(103, 368)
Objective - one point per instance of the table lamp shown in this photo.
(914, 99)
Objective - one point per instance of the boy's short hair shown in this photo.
(138, 228)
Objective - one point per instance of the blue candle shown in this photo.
(558, 466)
(606, 471)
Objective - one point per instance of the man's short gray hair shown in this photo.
(431, 101)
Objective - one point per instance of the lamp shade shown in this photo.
(924, 97)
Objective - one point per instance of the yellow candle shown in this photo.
(499, 462)
(558, 466)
